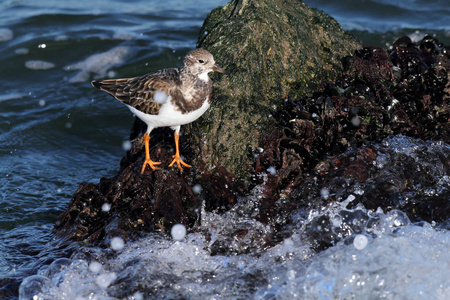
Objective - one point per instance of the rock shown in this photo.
(378, 177)
(273, 50)
(380, 94)
(131, 202)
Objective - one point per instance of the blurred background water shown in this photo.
(381, 22)
(57, 131)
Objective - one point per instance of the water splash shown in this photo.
(377, 255)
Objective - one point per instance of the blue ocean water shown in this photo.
(56, 131)
(381, 22)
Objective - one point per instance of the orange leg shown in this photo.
(176, 157)
(148, 161)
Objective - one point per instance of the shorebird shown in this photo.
(167, 98)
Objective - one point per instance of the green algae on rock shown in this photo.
(273, 50)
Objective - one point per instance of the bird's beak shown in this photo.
(218, 69)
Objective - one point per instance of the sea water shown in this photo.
(57, 131)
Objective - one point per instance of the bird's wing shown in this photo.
(138, 91)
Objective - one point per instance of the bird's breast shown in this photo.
(192, 97)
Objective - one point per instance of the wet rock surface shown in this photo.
(401, 173)
(381, 93)
(155, 201)
(377, 137)
(336, 145)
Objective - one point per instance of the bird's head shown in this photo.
(200, 62)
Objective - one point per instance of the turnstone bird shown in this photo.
(170, 97)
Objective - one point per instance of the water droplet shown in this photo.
(105, 280)
(117, 243)
(138, 296)
(360, 241)
(272, 170)
(325, 193)
(126, 145)
(178, 232)
(160, 97)
(111, 74)
(197, 189)
(95, 267)
(356, 122)
(106, 207)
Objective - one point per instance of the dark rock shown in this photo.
(379, 176)
(142, 202)
(379, 95)
(273, 50)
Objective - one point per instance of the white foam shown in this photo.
(22, 51)
(409, 265)
(6, 34)
(39, 65)
(404, 261)
(417, 36)
(11, 96)
(124, 36)
(99, 64)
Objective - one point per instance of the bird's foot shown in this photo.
(179, 162)
(151, 164)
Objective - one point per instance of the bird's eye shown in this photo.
(201, 61)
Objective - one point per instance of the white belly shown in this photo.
(169, 116)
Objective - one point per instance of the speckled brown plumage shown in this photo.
(138, 91)
(187, 91)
